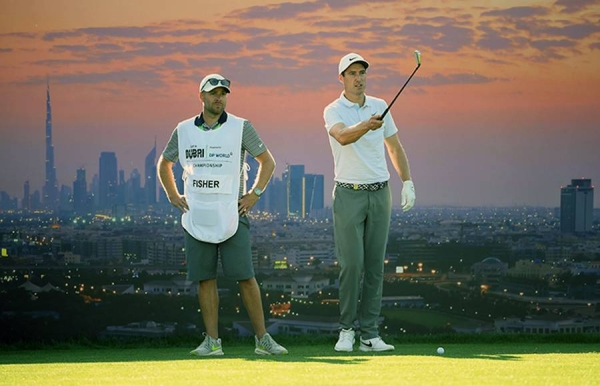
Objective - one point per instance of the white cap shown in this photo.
(206, 86)
(347, 60)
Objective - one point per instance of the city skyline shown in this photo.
(502, 113)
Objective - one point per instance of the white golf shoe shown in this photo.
(345, 341)
(375, 344)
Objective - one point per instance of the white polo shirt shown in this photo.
(361, 162)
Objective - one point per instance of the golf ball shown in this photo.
(440, 350)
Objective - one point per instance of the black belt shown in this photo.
(370, 187)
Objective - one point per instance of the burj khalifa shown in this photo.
(51, 185)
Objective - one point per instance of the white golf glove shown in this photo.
(408, 195)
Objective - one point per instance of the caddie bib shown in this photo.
(211, 174)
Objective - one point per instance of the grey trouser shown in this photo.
(361, 222)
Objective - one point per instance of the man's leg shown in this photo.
(264, 343)
(208, 298)
(376, 236)
(349, 208)
(253, 304)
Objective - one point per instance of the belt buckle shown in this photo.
(355, 186)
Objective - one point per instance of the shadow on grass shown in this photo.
(302, 349)
(301, 354)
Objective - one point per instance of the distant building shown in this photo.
(150, 176)
(556, 254)
(536, 326)
(577, 206)
(534, 269)
(489, 269)
(50, 189)
(294, 179)
(315, 325)
(314, 192)
(140, 329)
(80, 196)
(298, 286)
(118, 289)
(402, 301)
(26, 202)
(29, 286)
(108, 182)
(170, 287)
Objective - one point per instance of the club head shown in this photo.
(418, 57)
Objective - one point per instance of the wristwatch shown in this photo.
(257, 191)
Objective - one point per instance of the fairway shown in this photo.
(410, 364)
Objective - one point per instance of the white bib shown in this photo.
(211, 175)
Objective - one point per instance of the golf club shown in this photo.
(418, 58)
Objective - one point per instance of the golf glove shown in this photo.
(408, 195)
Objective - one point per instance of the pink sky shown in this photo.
(504, 110)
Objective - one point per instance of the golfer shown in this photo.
(362, 200)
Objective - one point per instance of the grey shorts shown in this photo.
(235, 254)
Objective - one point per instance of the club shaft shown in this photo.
(399, 92)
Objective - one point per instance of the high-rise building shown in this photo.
(294, 180)
(26, 203)
(577, 206)
(134, 188)
(107, 195)
(150, 176)
(80, 196)
(275, 197)
(314, 192)
(50, 190)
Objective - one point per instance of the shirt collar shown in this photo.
(346, 102)
(199, 121)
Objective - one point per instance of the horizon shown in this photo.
(502, 113)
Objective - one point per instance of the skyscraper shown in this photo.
(314, 196)
(294, 179)
(107, 192)
(150, 176)
(50, 190)
(577, 206)
(26, 203)
(80, 193)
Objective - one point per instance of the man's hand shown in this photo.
(408, 195)
(246, 203)
(179, 202)
(375, 122)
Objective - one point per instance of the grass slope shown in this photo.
(411, 364)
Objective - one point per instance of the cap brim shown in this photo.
(210, 87)
(363, 62)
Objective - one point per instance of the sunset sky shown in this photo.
(504, 110)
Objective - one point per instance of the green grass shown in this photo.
(528, 363)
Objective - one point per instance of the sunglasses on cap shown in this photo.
(215, 81)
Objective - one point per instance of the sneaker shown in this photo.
(267, 346)
(210, 346)
(375, 344)
(345, 341)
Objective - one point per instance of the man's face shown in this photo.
(215, 100)
(355, 78)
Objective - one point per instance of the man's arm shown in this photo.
(266, 168)
(398, 157)
(346, 135)
(167, 180)
(400, 162)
